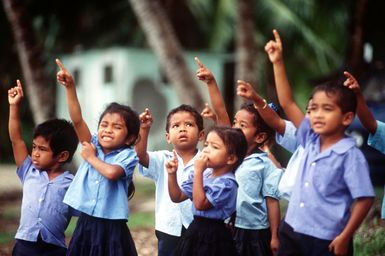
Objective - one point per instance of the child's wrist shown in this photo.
(261, 107)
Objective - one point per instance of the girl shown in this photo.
(99, 190)
(213, 190)
(257, 213)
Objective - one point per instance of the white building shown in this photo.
(132, 77)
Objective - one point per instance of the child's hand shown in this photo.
(339, 246)
(274, 48)
(246, 90)
(208, 113)
(88, 150)
(351, 82)
(146, 119)
(172, 164)
(200, 163)
(63, 76)
(203, 73)
(15, 94)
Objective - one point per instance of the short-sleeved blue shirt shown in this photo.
(257, 178)
(169, 216)
(377, 141)
(42, 207)
(327, 184)
(94, 194)
(220, 191)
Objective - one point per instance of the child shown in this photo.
(44, 217)
(376, 128)
(184, 129)
(321, 217)
(257, 215)
(213, 189)
(100, 187)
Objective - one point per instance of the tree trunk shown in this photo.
(164, 43)
(246, 48)
(355, 57)
(30, 56)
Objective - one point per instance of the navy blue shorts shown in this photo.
(38, 248)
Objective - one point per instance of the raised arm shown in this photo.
(272, 119)
(205, 75)
(174, 190)
(66, 79)
(200, 200)
(363, 112)
(274, 50)
(146, 121)
(20, 151)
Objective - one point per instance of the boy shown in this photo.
(44, 216)
(321, 217)
(184, 129)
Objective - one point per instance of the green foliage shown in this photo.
(369, 239)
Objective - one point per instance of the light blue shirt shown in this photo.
(327, 184)
(257, 178)
(377, 141)
(290, 143)
(42, 207)
(220, 191)
(169, 216)
(97, 196)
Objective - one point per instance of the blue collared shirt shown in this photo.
(377, 141)
(169, 216)
(289, 139)
(257, 178)
(97, 196)
(220, 191)
(327, 184)
(42, 209)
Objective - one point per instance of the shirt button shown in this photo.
(306, 184)
(97, 182)
(41, 199)
(301, 205)
(313, 164)
(39, 219)
(93, 200)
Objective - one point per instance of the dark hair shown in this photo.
(258, 122)
(130, 117)
(189, 109)
(60, 134)
(345, 97)
(234, 140)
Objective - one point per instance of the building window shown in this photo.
(108, 74)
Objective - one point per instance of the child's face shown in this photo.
(183, 132)
(42, 154)
(112, 132)
(244, 120)
(325, 115)
(216, 151)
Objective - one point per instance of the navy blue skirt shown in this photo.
(206, 237)
(101, 237)
(250, 242)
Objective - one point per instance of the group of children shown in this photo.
(222, 199)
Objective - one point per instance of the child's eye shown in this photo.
(189, 124)
(175, 126)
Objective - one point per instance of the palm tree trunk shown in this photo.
(164, 43)
(30, 56)
(246, 48)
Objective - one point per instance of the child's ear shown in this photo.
(347, 118)
(201, 135)
(63, 156)
(260, 138)
(168, 138)
(232, 159)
